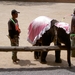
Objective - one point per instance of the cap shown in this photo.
(14, 11)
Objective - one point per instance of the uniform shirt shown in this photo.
(11, 28)
(73, 25)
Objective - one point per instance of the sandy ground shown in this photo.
(28, 12)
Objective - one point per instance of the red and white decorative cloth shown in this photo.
(38, 27)
(64, 25)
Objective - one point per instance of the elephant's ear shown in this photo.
(53, 22)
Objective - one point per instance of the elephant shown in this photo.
(55, 34)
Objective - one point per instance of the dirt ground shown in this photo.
(28, 12)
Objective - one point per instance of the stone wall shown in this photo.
(68, 1)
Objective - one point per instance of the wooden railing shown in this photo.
(32, 48)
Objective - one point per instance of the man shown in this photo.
(73, 33)
(14, 31)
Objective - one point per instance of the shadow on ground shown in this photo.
(25, 63)
(51, 61)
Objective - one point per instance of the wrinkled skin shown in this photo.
(48, 37)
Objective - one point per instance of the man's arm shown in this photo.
(11, 29)
(73, 25)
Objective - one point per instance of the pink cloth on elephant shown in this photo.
(64, 25)
(38, 27)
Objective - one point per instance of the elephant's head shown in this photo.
(53, 22)
(54, 30)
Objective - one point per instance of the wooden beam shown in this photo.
(32, 48)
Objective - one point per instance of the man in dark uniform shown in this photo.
(73, 33)
(14, 31)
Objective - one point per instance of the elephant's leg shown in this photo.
(43, 57)
(37, 53)
(57, 53)
(57, 57)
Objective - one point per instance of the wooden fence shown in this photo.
(32, 48)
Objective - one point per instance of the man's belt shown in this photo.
(72, 34)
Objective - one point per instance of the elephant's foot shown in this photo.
(58, 61)
(43, 57)
(43, 62)
(36, 57)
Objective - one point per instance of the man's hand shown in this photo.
(72, 37)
